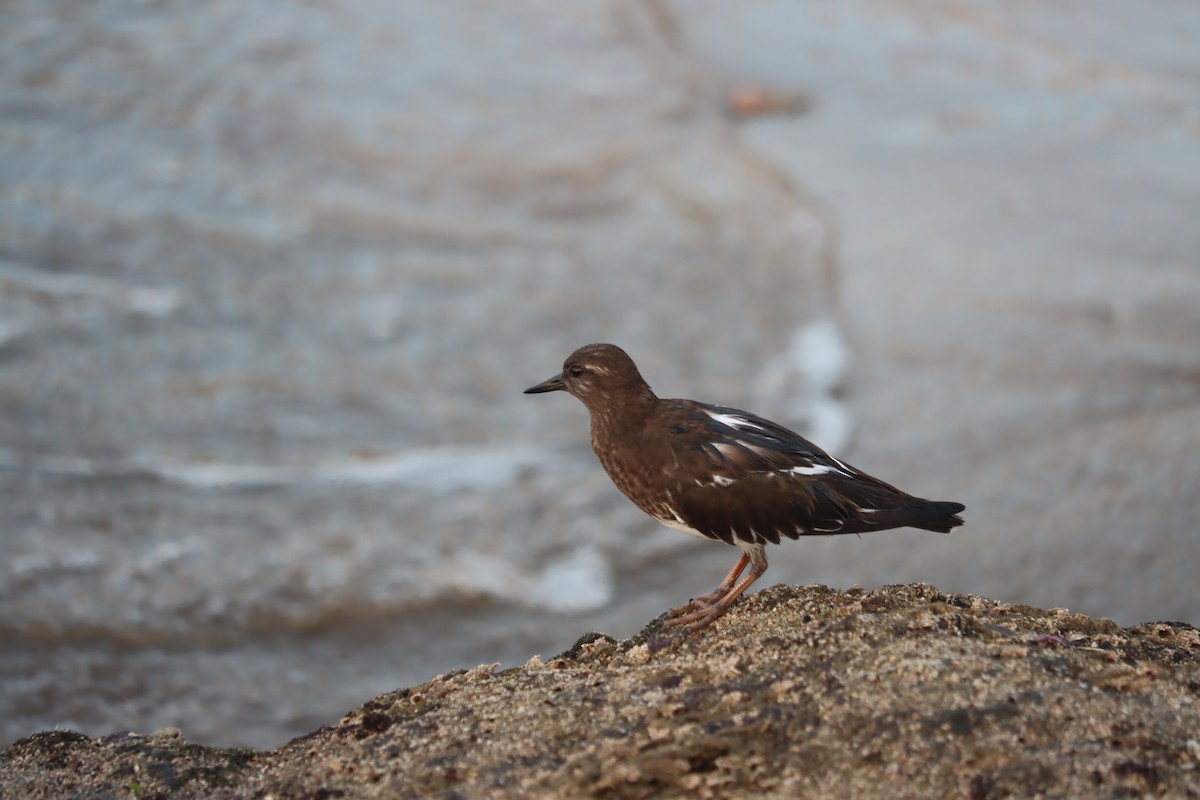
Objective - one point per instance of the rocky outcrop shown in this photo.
(800, 691)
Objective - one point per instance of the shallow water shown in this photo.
(272, 281)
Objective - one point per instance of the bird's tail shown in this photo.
(931, 515)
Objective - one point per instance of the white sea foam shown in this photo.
(829, 423)
(806, 374)
(444, 468)
(578, 581)
(146, 301)
(573, 583)
(10, 331)
(819, 350)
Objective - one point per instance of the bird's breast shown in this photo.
(640, 468)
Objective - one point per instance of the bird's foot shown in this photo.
(696, 603)
(699, 613)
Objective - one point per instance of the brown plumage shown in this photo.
(726, 474)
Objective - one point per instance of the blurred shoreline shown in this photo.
(272, 279)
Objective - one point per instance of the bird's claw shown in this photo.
(694, 616)
(697, 603)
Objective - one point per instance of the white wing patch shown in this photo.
(737, 448)
(734, 449)
(841, 466)
(718, 480)
(737, 423)
(815, 469)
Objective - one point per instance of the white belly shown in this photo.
(682, 528)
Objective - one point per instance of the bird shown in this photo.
(727, 475)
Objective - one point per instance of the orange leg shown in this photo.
(702, 611)
(716, 594)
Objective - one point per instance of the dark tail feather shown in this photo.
(941, 517)
(927, 515)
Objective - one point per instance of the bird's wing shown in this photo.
(735, 444)
(745, 478)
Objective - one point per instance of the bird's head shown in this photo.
(601, 375)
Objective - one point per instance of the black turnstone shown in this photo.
(726, 474)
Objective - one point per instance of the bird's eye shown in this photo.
(574, 370)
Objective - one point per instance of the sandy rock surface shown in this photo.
(898, 691)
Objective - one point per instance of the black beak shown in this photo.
(554, 384)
